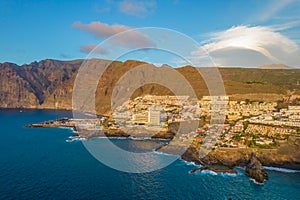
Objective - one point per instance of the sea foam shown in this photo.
(281, 169)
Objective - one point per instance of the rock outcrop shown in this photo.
(255, 170)
(224, 171)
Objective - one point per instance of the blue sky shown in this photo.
(233, 32)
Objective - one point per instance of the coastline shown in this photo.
(214, 169)
(239, 158)
(38, 108)
(227, 158)
(179, 169)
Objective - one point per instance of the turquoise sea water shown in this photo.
(37, 163)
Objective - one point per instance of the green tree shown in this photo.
(245, 125)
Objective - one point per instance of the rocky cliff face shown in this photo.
(15, 90)
(49, 83)
(45, 84)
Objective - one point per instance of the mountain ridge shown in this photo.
(48, 84)
(275, 66)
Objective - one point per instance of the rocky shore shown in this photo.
(224, 171)
(287, 155)
(46, 125)
(102, 131)
(86, 133)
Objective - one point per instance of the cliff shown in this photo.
(48, 84)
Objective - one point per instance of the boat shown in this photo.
(69, 140)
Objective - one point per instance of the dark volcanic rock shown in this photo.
(164, 135)
(169, 134)
(255, 170)
(192, 155)
(224, 171)
(116, 133)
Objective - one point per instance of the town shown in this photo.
(223, 123)
(247, 124)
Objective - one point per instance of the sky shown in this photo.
(228, 33)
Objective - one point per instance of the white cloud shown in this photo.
(132, 38)
(285, 26)
(137, 8)
(272, 9)
(93, 47)
(250, 46)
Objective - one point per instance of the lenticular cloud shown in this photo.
(260, 44)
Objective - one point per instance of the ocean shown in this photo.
(38, 163)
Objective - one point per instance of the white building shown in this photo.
(154, 116)
(140, 118)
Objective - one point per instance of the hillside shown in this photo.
(48, 84)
